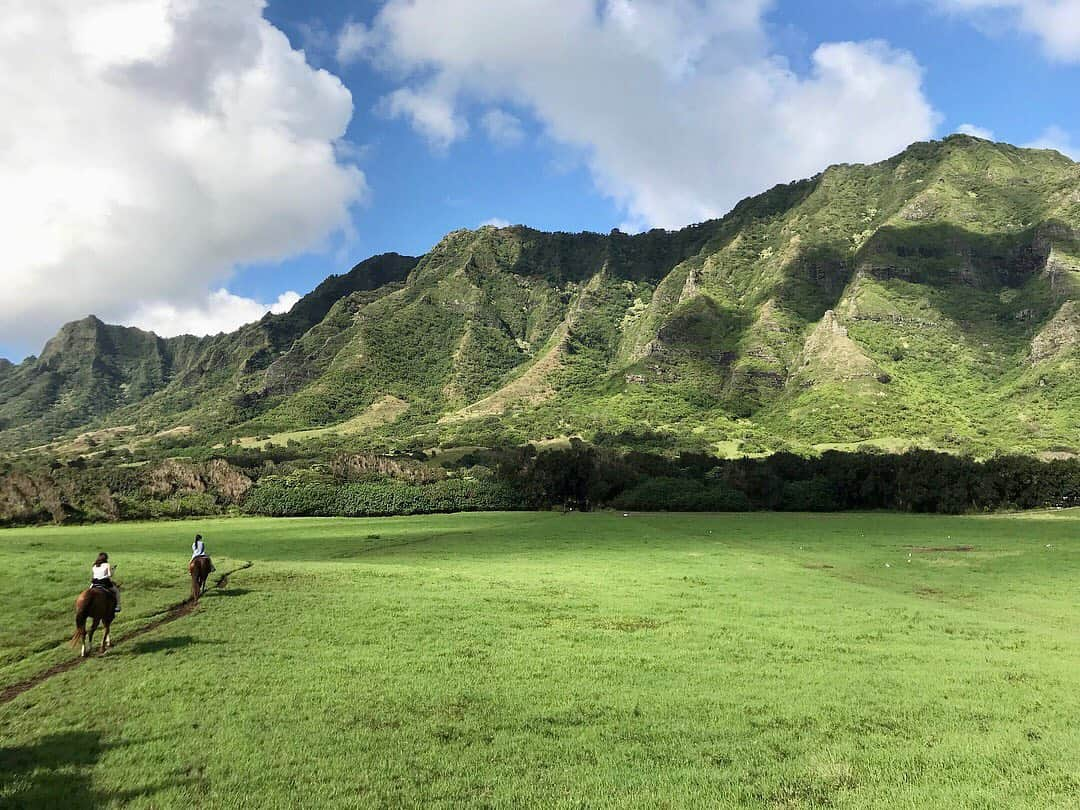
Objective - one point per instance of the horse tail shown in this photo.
(80, 621)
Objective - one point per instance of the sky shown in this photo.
(186, 166)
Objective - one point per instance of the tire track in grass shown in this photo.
(169, 614)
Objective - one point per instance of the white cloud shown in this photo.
(285, 302)
(149, 146)
(1055, 137)
(1055, 23)
(353, 42)
(220, 311)
(431, 113)
(678, 107)
(495, 222)
(503, 128)
(976, 131)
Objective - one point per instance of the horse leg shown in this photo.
(80, 633)
(88, 639)
(106, 642)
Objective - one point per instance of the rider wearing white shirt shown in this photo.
(198, 549)
(101, 575)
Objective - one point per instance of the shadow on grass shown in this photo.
(165, 644)
(52, 772)
(56, 771)
(217, 594)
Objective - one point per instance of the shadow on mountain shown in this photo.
(563, 257)
(816, 281)
(982, 282)
(941, 254)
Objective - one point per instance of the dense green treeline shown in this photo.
(281, 482)
(916, 481)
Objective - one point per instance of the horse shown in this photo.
(199, 568)
(97, 604)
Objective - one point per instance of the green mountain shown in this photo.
(930, 299)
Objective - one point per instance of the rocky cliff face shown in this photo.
(929, 298)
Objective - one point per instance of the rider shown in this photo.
(101, 574)
(198, 549)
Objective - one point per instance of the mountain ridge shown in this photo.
(927, 299)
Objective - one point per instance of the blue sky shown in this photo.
(189, 170)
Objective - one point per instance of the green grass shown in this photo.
(887, 444)
(510, 660)
(381, 412)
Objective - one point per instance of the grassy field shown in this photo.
(510, 660)
(382, 412)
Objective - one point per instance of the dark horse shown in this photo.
(199, 568)
(97, 604)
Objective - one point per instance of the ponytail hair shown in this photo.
(101, 558)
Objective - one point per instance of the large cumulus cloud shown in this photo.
(148, 147)
(680, 107)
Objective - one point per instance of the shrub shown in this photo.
(280, 497)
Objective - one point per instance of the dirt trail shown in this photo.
(930, 549)
(170, 614)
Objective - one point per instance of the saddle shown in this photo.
(103, 588)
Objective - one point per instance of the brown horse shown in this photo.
(99, 605)
(199, 568)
